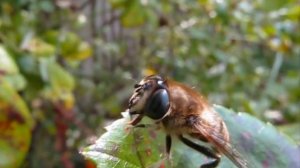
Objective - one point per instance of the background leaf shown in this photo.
(15, 127)
(7, 64)
(134, 15)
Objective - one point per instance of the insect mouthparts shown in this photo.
(137, 85)
(130, 105)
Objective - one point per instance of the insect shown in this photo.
(182, 111)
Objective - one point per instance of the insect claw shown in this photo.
(169, 160)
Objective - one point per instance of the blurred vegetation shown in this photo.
(67, 67)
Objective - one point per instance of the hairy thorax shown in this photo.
(174, 125)
(185, 108)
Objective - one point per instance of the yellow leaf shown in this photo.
(82, 52)
(40, 48)
(149, 71)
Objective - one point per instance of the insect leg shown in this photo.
(143, 126)
(168, 149)
(168, 144)
(202, 149)
(136, 120)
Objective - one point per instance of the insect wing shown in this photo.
(213, 135)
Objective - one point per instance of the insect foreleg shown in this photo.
(136, 120)
(168, 144)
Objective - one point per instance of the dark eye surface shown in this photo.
(158, 104)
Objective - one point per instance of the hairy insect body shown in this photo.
(187, 109)
(182, 111)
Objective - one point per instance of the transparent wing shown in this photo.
(213, 135)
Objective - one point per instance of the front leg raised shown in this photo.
(136, 120)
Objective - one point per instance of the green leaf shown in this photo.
(261, 144)
(294, 12)
(7, 64)
(70, 45)
(10, 70)
(118, 3)
(270, 5)
(134, 15)
(114, 148)
(15, 126)
(17, 81)
(39, 48)
(59, 78)
(82, 52)
(61, 84)
(292, 130)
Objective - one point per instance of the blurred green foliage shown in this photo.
(72, 64)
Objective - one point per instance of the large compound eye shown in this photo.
(158, 104)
